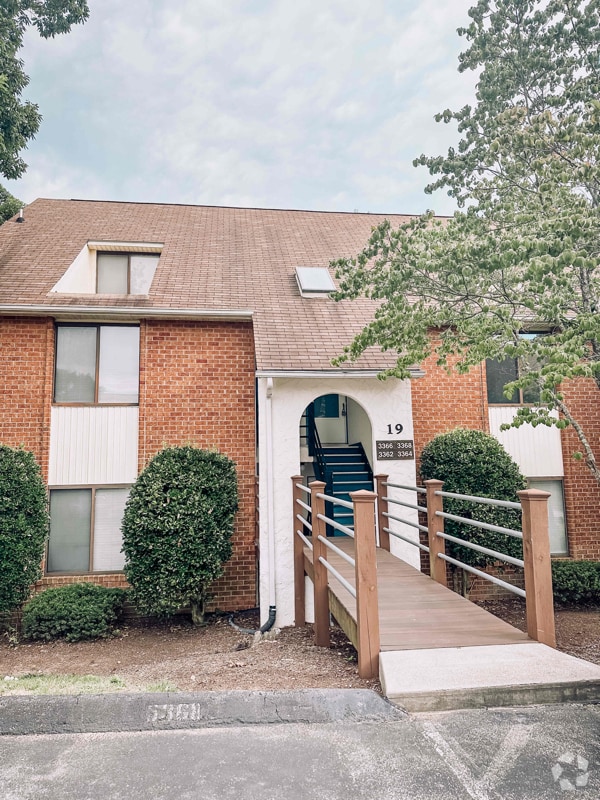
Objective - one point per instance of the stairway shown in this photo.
(345, 469)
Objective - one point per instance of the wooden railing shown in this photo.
(372, 524)
(310, 517)
(536, 563)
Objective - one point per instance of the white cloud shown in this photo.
(274, 103)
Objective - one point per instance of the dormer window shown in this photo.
(125, 273)
(103, 267)
(314, 281)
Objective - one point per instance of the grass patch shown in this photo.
(75, 684)
(162, 686)
(60, 684)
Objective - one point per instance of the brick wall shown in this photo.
(26, 370)
(582, 492)
(197, 387)
(442, 401)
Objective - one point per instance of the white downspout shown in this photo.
(270, 503)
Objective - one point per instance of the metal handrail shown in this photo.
(318, 448)
(423, 528)
(408, 488)
(337, 575)
(508, 586)
(485, 501)
(335, 500)
(302, 487)
(475, 523)
(336, 525)
(486, 550)
(328, 543)
(306, 541)
(406, 539)
(305, 522)
(406, 505)
(304, 505)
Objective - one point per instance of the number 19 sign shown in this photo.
(399, 450)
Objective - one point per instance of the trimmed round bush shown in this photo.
(576, 582)
(24, 524)
(474, 463)
(177, 529)
(74, 612)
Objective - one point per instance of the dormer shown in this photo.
(112, 268)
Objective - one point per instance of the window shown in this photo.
(556, 513)
(499, 373)
(125, 273)
(97, 364)
(85, 529)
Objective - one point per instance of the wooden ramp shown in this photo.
(415, 612)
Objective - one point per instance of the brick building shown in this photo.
(126, 327)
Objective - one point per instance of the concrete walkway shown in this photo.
(441, 679)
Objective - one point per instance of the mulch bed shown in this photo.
(577, 628)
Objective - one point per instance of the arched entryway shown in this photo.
(336, 446)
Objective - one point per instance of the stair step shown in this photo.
(347, 521)
(342, 514)
(345, 470)
(344, 461)
(355, 482)
(350, 448)
(347, 473)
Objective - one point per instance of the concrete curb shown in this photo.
(37, 714)
(581, 692)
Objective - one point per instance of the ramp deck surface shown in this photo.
(415, 612)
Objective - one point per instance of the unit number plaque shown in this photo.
(399, 450)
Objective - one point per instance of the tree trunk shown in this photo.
(197, 609)
(588, 454)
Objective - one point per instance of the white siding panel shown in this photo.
(93, 445)
(537, 451)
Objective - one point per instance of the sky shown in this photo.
(305, 104)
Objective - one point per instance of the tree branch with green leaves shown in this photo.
(20, 119)
(522, 252)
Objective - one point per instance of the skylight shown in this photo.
(314, 281)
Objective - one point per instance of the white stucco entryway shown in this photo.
(281, 403)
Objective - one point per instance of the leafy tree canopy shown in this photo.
(9, 205)
(20, 120)
(521, 253)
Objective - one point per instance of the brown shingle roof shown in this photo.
(213, 258)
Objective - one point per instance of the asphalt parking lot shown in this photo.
(510, 753)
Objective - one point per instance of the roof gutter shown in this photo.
(119, 312)
(415, 372)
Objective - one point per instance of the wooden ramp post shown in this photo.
(321, 582)
(299, 583)
(367, 606)
(382, 506)
(538, 571)
(437, 566)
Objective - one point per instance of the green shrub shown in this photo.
(177, 529)
(23, 525)
(474, 463)
(78, 611)
(576, 581)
